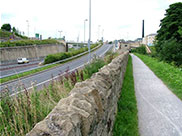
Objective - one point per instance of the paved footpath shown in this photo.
(159, 110)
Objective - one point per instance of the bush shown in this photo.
(21, 36)
(5, 34)
(141, 50)
(171, 52)
(93, 67)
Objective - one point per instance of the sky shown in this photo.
(112, 19)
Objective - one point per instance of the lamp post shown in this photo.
(27, 27)
(84, 28)
(99, 32)
(89, 29)
(60, 33)
(78, 40)
(102, 35)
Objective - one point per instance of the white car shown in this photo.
(22, 60)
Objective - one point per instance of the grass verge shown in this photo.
(126, 122)
(170, 75)
(31, 72)
(19, 114)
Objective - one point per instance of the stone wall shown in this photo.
(91, 106)
(30, 52)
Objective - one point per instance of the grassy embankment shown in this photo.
(4, 34)
(169, 74)
(126, 122)
(7, 35)
(49, 59)
(27, 42)
(18, 115)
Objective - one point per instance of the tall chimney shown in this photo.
(143, 29)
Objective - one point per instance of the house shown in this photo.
(149, 39)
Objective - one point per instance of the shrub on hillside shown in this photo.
(63, 55)
(141, 50)
(171, 52)
(21, 36)
(5, 34)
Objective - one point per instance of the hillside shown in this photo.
(5, 35)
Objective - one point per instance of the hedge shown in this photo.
(63, 55)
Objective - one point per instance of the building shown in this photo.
(149, 39)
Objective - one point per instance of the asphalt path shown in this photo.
(40, 79)
(159, 110)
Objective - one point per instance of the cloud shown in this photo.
(118, 18)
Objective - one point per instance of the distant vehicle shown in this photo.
(41, 63)
(22, 60)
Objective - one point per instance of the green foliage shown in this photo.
(126, 122)
(21, 36)
(169, 74)
(169, 38)
(6, 27)
(171, 52)
(14, 29)
(93, 67)
(27, 42)
(141, 50)
(109, 56)
(5, 34)
(63, 55)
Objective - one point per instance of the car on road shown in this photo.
(22, 60)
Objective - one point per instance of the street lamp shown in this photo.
(84, 29)
(89, 29)
(27, 27)
(99, 32)
(102, 35)
(60, 33)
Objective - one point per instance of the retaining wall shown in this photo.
(30, 52)
(91, 106)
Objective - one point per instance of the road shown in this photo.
(14, 68)
(44, 77)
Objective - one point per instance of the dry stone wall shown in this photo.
(91, 106)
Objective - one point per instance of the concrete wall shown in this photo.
(91, 106)
(31, 52)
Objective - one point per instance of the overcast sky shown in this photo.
(118, 19)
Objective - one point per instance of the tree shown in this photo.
(169, 37)
(6, 27)
(14, 29)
